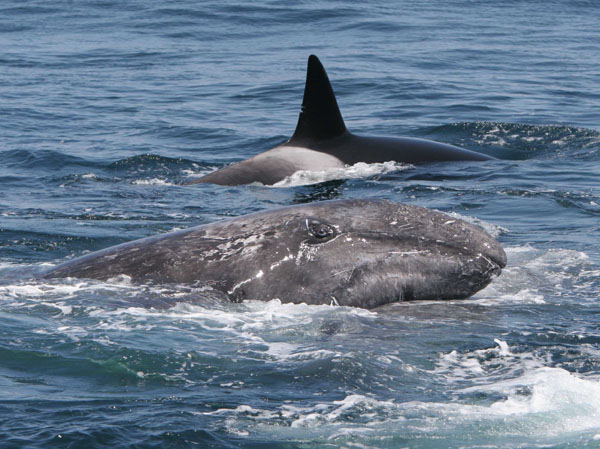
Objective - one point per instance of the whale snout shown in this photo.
(481, 261)
(420, 254)
(482, 270)
(492, 249)
(492, 255)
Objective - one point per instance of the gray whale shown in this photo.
(321, 141)
(362, 253)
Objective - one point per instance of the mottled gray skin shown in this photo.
(321, 141)
(362, 253)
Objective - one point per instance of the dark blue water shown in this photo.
(107, 107)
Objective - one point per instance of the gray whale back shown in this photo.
(362, 253)
(321, 141)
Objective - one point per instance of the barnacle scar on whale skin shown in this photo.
(362, 253)
(321, 141)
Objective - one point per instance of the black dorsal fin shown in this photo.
(320, 117)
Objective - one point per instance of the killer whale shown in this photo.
(362, 253)
(322, 141)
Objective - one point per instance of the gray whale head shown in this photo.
(362, 253)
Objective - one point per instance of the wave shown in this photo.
(43, 159)
(543, 406)
(537, 276)
(519, 141)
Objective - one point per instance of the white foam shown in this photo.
(199, 172)
(533, 276)
(539, 406)
(482, 366)
(358, 170)
(538, 401)
(369, 408)
(542, 404)
(64, 309)
(248, 325)
(152, 182)
(559, 402)
(40, 290)
(491, 296)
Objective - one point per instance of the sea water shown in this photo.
(108, 107)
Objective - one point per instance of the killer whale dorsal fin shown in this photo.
(320, 117)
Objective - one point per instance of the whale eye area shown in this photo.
(319, 231)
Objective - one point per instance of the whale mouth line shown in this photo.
(496, 262)
(397, 278)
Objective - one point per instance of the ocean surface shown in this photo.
(108, 107)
